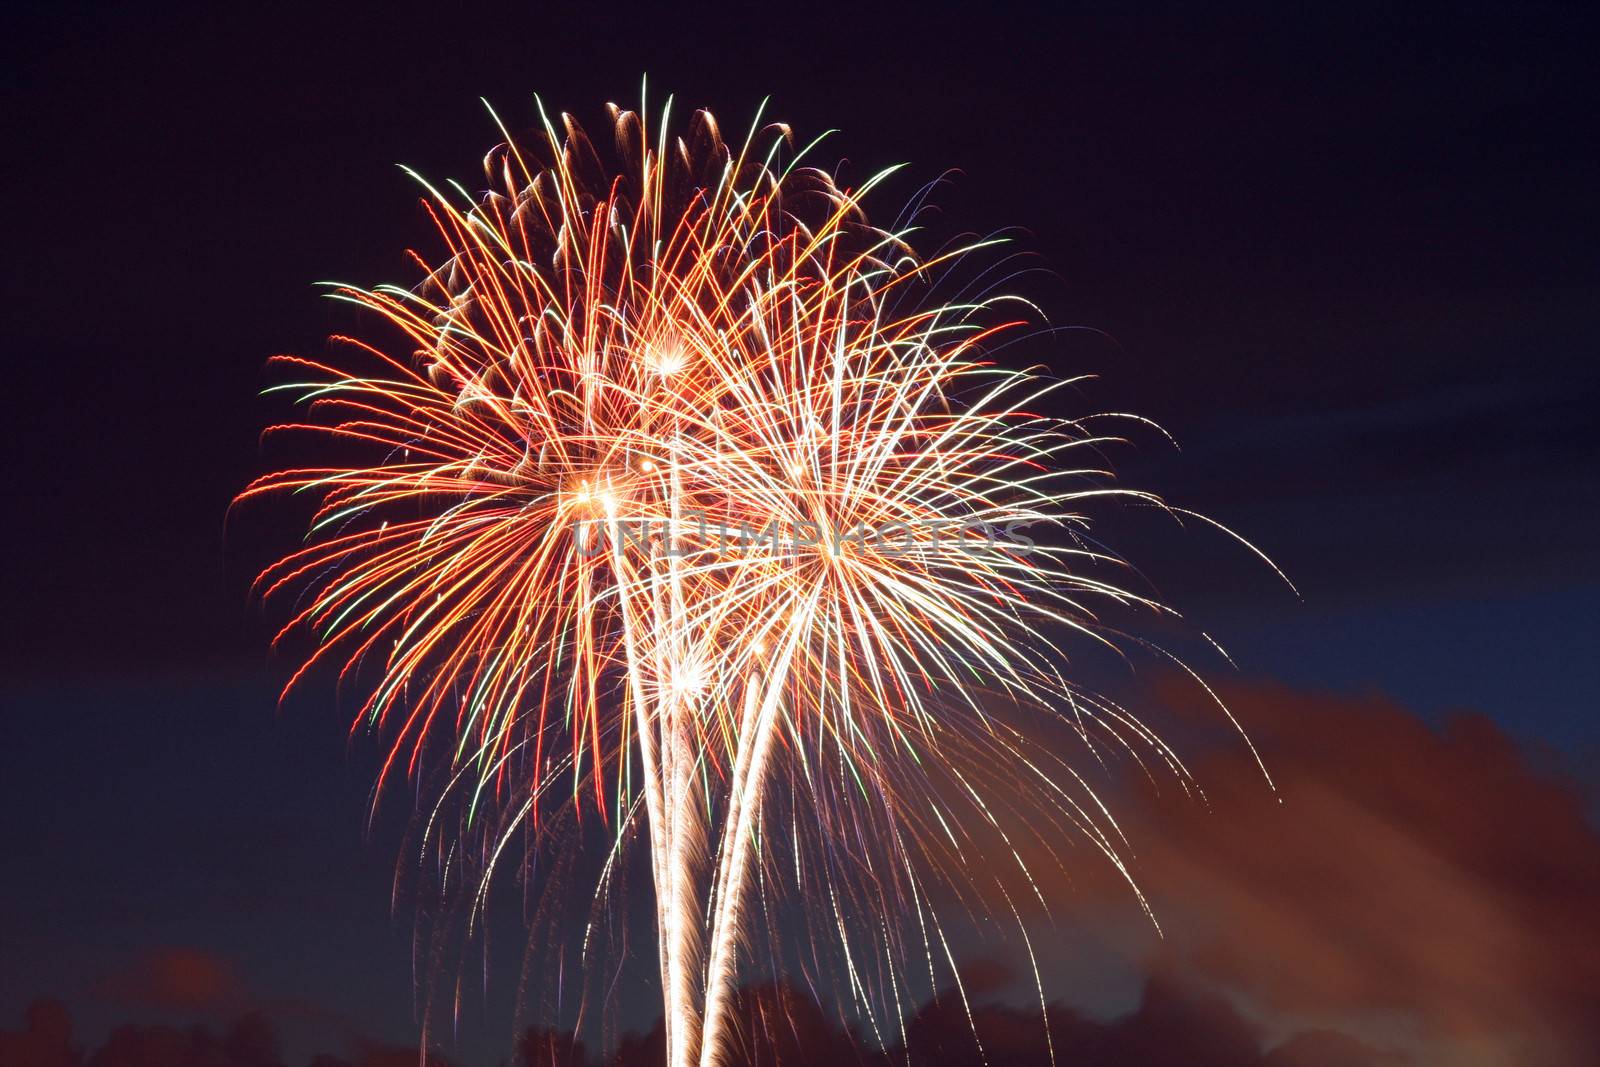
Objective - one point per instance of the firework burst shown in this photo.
(676, 503)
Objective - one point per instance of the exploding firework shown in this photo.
(680, 502)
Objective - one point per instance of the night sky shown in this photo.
(1349, 261)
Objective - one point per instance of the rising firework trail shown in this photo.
(671, 496)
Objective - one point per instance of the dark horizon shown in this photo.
(1348, 259)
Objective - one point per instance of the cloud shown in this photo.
(252, 1040)
(1429, 886)
(177, 980)
(1173, 1024)
(45, 1040)
(1329, 1048)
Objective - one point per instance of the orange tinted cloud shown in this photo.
(177, 980)
(1427, 886)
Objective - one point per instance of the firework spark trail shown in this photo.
(704, 338)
